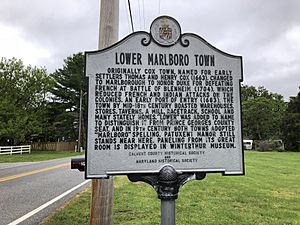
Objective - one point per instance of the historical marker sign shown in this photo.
(163, 98)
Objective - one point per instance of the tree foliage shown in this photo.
(291, 124)
(251, 92)
(63, 110)
(262, 113)
(23, 98)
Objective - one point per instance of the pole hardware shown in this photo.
(167, 182)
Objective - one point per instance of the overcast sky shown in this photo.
(265, 32)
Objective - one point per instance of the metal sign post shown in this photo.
(167, 184)
(168, 212)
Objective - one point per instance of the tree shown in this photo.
(23, 99)
(63, 110)
(248, 92)
(291, 124)
(251, 92)
(262, 113)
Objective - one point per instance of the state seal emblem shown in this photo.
(165, 30)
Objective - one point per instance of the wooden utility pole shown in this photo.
(103, 190)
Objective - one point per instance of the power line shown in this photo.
(140, 18)
(158, 7)
(127, 15)
(144, 14)
(130, 13)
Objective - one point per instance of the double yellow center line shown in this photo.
(32, 172)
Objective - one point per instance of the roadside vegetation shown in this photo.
(268, 194)
(36, 156)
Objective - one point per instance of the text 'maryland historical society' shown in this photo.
(163, 98)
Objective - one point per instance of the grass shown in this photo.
(269, 193)
(75, 211)
(35, 156)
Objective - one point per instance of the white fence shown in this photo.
(9, 150)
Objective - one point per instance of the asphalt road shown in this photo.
(25, 187)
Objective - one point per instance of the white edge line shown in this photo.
(26, 216)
